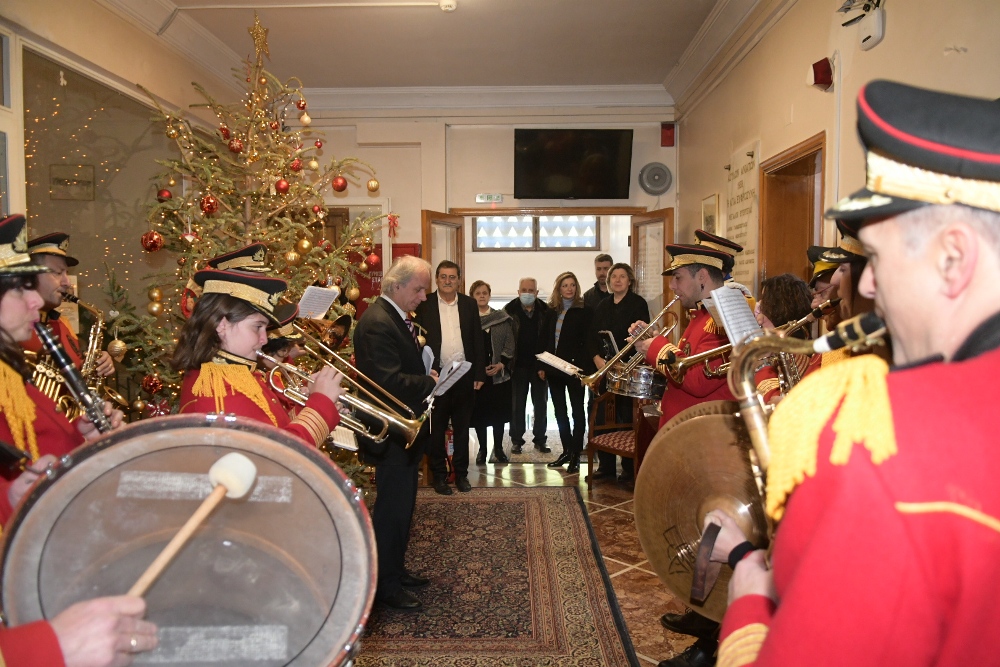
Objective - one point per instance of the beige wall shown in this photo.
(765, 97)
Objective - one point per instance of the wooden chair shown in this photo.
(613, 436)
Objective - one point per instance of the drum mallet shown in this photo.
(232, 476)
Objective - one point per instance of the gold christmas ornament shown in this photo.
(154, 308)
(305, 119)
(363, 267)
(313, 165)
(155, 294)
(373, 184)
(117, 349)
(349, 309)
(293, 258)
(138, 405)
(172, 132)
(304, 246)
(352, 293)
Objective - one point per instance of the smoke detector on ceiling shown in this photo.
(448, 5)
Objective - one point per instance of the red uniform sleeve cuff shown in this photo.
(745, 611)
(30, 645)
(326, 408)
(654, 349)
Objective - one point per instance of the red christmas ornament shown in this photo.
(281, 186)
(372, 260)
(295, 165)
(152, 241)
(317, 208)
(338, 280)
(158, 409)
(275, 125)
(152, 383)
(163, 195)
(393, 225)
(318, 144)
(236, 146)
(301, 104)
(339, 183)
(224, 131)
(209, 204)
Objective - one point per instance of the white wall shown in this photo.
(950, 46)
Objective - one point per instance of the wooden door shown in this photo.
(651, 232)
(443, 237)
(791, 210)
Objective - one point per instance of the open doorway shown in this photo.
(791, 208)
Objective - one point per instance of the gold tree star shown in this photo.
(259, 34)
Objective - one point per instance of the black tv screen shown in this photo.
(572, 164)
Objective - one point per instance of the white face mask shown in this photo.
(527, 299)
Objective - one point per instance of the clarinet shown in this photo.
(92, 406)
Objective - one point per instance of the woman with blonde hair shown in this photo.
(564, 334)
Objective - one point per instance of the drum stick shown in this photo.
(232, 476)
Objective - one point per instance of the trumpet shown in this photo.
(388, 420)
(593, 380)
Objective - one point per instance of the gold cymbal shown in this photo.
(701, 464)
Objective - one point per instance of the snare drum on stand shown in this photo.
(639, 382)
(284, 576)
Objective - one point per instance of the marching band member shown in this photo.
(217, 351)
(52, 252)
(885, 480)
(820, 284)
(283, 345)
(28, 419)
(783, 299)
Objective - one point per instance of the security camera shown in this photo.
(448, 5)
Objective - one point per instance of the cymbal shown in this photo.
(701, 464)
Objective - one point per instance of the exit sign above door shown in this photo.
(489, 198)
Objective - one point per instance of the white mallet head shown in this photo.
(235, 472)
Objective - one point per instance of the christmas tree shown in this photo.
(255, 178)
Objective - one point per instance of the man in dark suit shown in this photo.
(454, 333)
(387, 351)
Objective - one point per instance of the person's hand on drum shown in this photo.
(327, 382)
(104, 632)
(87, 428)
(19, 487)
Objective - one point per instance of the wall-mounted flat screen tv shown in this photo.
(572, 164)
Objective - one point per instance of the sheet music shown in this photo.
(316, 301)
(344, 438)
(557, 363)
(428, 356)
(736, 316)
(450, 376)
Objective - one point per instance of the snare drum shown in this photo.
(640, 382)
(283, 576)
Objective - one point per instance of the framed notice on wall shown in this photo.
(710, 214)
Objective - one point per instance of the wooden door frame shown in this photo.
(667, 215)
(427, 220)
(803, 149)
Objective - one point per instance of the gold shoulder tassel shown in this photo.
(713, 328)
(19, 410)
(212, 381)
(858, 387)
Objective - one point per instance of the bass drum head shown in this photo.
(283, 576)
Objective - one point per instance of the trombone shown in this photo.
(295, 377)
(593, 380)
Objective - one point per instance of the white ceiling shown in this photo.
(522, 52)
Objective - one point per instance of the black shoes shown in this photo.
(574, 466)
(499, 456)
(559, 462)
(690, 623)
(442, 487)
(699, 654)
(626, 478)
(462, 484)
(515, 449)
(481, 457)
(602, 474)
(402, 600)
(542, 448)
(413, 581)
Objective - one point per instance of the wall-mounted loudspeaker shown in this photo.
(655, 178)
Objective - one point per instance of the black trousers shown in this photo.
(396, 487)
(455, 406)
(525, 379)
(559, 386)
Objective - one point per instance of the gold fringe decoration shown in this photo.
(713, 328)
(834, 357)
(212, 381)
(19, 410)
(858, 388)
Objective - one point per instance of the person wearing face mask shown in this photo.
(527, 312)
(217, 352)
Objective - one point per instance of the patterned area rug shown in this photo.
(517, 579)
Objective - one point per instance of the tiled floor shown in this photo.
(641, 595)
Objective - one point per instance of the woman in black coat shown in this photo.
(564, 333)
(615, 314)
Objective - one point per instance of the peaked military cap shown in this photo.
(261, 292)
(249, 258)
(820, 267)
(923, 147)
(684, 255)
(717, 242)
(848, 249)
(56, 243)
(14, 257)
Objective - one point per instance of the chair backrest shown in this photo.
(607, 404)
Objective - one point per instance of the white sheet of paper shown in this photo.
(557, 363)
(428, 355)
(736, 316)
(450, 376)
(316, 301)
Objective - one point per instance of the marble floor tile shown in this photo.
(643, 599)
(614, 566)
(617, 535)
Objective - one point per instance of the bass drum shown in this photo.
(640, 382)
(283, 576)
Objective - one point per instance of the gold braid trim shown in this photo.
(661, 356)
(770, 384)
(943, 506)
(713, 328)
(858, 387)
(314, 423)
(834, 357)
(214, 377)
(19, 410)
(743, 646)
